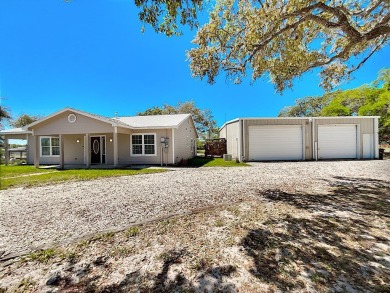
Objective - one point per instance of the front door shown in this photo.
(98, 149)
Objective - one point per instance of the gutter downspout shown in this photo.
(376, 139)
(173, 146)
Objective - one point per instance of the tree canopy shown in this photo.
(23, 120)
(4, 115)
(279, 39)
(284, 39)
(366, 100)
(204, 121)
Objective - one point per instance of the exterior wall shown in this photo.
(231, 133)
(303, 122)
(125, 157)
(73, 150)
(366, 126)
(185, 141)
(60, 125)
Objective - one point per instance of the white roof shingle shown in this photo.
(154, 121)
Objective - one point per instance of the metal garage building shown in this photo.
(302, 138)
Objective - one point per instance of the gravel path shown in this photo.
(32, 217)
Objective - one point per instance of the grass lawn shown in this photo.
(19, 170)
(50, 176)
(213, 162)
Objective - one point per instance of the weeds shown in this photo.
(133, 231)
(42, 256)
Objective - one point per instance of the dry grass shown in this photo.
(333, 241)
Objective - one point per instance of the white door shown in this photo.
(337, 141)
(275, 142)
(368, 146)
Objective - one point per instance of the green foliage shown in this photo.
(42, 256)
(204, 121)
(283, 39)
(133, 231)
(23, 120)
(366, 100)
(166, 15)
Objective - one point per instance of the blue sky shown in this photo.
(91, 55)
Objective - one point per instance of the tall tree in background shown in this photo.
(4, 115)
(23, 120)
(204, 121)
(284, 39)
(366, 100)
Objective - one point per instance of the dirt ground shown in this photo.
(333, 240)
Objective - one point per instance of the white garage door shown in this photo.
(337, 141)
(275, 142)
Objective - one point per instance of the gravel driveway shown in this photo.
(32, 217)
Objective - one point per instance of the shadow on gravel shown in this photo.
(336, 249)
(338, 246)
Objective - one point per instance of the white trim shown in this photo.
(376, 139)
(51, 147)
(143, 145)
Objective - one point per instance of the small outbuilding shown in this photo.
(73, 138)
(302, 138)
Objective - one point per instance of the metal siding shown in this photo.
(366, 126)
(275, 142)
(230, 133)
(337, 141)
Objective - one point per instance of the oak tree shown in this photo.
(366, 100)
(283, 39)
(204, 121)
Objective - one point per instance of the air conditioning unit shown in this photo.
(227, 157)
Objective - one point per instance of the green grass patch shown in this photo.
(13, 171)
(213, 162)
(70, 175)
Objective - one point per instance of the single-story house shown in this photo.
(72, 137)
(302, 138)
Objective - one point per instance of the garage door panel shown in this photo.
(337, 141)
(276, 142)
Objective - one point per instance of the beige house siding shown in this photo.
(124, 151)
(60, 124)
(231, 133)
(73, 150)
(185, 140)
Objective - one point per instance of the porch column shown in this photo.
(61, 151)
(36, 151)
(6, 154)
(87, 150)
(27, 148)
(115, 145)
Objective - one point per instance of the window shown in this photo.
(50, 146)
(143, 144)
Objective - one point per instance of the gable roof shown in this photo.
(93, 116)
(153, 121)
(131, 122)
